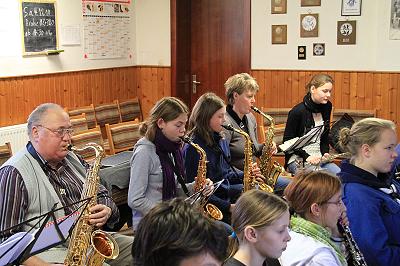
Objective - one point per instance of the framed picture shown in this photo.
(346, 32)
(308, 25)
(278, 6)
(394, 30)
(279, 34)
(310, 2)
(351, 7)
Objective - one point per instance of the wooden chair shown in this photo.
(107, 113)
(280, 116)
(354, 113)
(87, 136)
(79, 123)
(5, 152)
(130, 110)
(88, 111)
(122, 136)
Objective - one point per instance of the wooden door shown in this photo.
(210, 39)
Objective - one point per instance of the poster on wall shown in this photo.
(106, 27)
(346, 32)
(394, 31)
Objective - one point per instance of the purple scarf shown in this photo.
(164, 147)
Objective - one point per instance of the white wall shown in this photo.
(373, 49)
(150, 40)
(153, 29)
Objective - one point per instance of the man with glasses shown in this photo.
(45, 173)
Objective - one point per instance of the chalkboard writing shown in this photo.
(39, 26)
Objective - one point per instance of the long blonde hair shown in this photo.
(254, 208)
(168, 108)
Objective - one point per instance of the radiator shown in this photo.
(17, 135)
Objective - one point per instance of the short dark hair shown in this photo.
(173, 231)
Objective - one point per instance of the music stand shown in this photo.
(295, 144)
(49, 235)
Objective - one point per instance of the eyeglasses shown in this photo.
(337, 203)
(60, 132)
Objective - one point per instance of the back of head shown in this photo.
(255, 208)
(168, 108)
(239, 83)
(173, 231)
(40, 112)
(365, 131)
(308, 188)
(318, 81)
(203, 110)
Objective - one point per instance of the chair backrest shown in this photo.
(278, 114)
(85, 137)
(79, 123)
(130, 110)
(354, 113)
(122, 136)
(107, 113)
(88, 111)
(5, 152)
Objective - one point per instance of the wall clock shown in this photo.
(308, 25)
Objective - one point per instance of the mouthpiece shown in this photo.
(255, 109)
(70, 147)
(228, 127)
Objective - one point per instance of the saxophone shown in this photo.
(249, 181)
(269, 169)
(88, 246)
(356, 256)
(207, 208)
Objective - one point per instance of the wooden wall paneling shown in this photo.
(377, 99)
(393, 92)
(385, 95)
(368, 83)
(353, 91)
(361, 91)
(295, 88)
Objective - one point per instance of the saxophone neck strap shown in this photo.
(178, 176)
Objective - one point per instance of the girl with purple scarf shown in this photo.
(157, 171)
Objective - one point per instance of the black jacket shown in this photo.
(300, 121)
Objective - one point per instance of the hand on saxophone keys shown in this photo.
(99, 215)
(208, 188)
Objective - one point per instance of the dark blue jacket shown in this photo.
(217, 169)
(374, 216)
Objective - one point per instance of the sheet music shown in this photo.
(50, 236)
(298, 143)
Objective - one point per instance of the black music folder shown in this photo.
(20, 246)
(297, 143)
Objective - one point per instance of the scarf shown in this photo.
(165, 147)
(312, 106)
(317, 232)
(353, 174)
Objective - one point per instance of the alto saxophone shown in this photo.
(356, 256)
(269, 169)
(88, 246)
(249, 181)
(206, 208)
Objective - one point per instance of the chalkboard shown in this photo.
(39, 26)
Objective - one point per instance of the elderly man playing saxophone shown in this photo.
(45, 173)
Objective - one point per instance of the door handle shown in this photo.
(194, 84)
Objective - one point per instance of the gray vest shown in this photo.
(41, 194)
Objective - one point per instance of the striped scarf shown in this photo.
(317, 232)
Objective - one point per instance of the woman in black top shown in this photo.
(315, 110)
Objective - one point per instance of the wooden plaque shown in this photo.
(278, 6)
(346, 32)
(310, 2)
(279, 34)
(308, 25)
